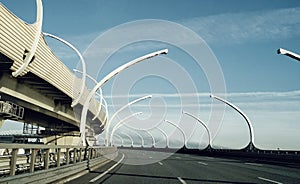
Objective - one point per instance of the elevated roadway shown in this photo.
(185, 168)
(46, 87)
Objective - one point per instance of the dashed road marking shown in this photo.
(202, 163)
(254, 164)
(181, 180)
(271, 181)
(160, 163)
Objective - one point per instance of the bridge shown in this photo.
(42, 93)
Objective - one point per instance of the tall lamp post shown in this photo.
(288, 53)
(204, 125)
(100, 96)
(127, 135)
(118, 125)
(152, 137)
(119, 110)
(122, 141)
(76, 100)
(38, 25)
(251, 143)
(165, 134)
(141, 137)
(103, 81)
(180, 129)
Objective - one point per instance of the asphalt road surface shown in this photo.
(183, 168)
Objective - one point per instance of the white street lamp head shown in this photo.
(282, 51)
(288, 53)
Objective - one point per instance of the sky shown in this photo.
(227, 47)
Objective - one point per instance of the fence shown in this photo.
(20, 162)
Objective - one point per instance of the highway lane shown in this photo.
(184, 168)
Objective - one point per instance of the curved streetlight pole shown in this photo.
(122, 141)
(288, 53)
(119, 110)
(100, 96)
(38, 25)
(76, 100)
(140, 136)
(180, 129)
(103, 81)
(204, 125)
(251, 144)
(166, 136)
(127, 135)
(148, 132)
(118, 125)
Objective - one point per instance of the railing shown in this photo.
(17, 159)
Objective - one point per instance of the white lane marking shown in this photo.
(178, 157)
(266, 179)
(160, 163)
(103, 174)
(202, 163)
(150, 157)
(254, 164)
(181, 180)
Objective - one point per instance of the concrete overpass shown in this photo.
(45, 89)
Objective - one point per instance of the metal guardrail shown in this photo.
(18, 159)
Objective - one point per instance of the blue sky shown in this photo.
(243, 36)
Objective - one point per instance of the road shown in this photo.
(184, 168)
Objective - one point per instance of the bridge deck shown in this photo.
(45, 72)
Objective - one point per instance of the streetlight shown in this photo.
(180, 129)
(127, 135)
(165, 134)
(100, 96)
(103, 81)
(251, 144)
(152, 137)
(203, 124)
(122, 141)
(38, 24)
(147, 131)
(288, 53)
(141, 137)
(119, 110)
(118, 125)
(76, 100)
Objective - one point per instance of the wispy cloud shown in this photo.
(247, 26)
(239, 94)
